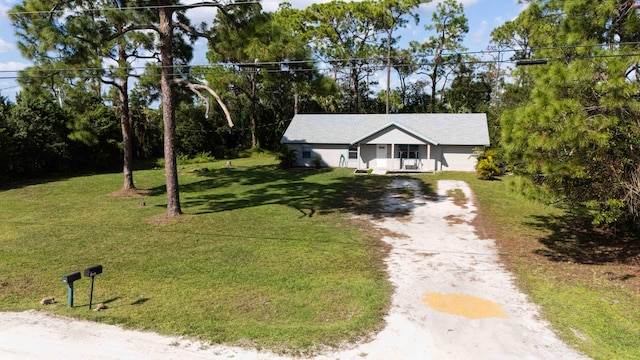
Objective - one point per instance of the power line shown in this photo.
(334, 62)
(285, 66)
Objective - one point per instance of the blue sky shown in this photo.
(483, 16)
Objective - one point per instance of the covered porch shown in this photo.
(392, 157)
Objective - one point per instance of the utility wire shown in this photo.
(334, 62)
(367, 59)
(284, 66)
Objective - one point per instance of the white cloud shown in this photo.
(202, 15)
(13, 66)
(5, 6)
(432, 5)
(272, 5)
(480, 36)
(6, 46)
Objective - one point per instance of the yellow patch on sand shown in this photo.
(465, 305)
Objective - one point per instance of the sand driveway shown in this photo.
(453, 300)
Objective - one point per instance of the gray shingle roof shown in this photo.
(444, 129)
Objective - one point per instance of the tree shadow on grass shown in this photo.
(329, 191)
(576, 240)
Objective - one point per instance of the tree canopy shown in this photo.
(577, 136)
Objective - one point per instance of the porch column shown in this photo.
(393, 156)
(429, 153)
(359, 159)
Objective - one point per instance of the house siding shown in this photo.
(330, 155)
(458, 158)
(328, 136)
(436, 158)
(368, 156)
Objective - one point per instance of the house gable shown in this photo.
(393, 134)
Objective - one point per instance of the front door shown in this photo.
(381, 156)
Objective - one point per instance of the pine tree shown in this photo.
(578, 136)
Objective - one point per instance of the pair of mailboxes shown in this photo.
(88, 272)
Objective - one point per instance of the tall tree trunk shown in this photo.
(168, 112)
(125, 124)
(356, 87)
(389, 35)
(252, 116)
(127, 143)
(434, 75)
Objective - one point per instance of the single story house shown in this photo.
(392, 142)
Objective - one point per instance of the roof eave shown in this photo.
(413, 133)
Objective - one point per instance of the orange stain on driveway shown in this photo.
(465, 305)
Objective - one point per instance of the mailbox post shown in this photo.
(92, 272)
(69, 279)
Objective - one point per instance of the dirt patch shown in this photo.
(131, 193)
(468, 306)
(458, 196)
(388, 233)
(406, 194)
(453, 220)
(425, 254)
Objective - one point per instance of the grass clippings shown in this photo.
(458, 197)
(454, 220)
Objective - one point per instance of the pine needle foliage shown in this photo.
(577, 137)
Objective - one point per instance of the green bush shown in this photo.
(199, 158)
(287, 158)
(487, 169)
(317, 162)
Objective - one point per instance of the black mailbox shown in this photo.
(70, 278)
(93, 271)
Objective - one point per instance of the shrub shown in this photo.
(199, 158)
(317, 162)
(287, 158)
(487, 169)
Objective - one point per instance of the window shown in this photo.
(353, 152)
(306, 152)
(409, 151)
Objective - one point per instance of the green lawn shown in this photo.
(263, 256)
(272, 258)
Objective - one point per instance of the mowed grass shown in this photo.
(587, 284)
(273, 258)
(263, 257)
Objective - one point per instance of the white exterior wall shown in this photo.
(432, 158)
(458, 158)
(331, 155)
(367, 156)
